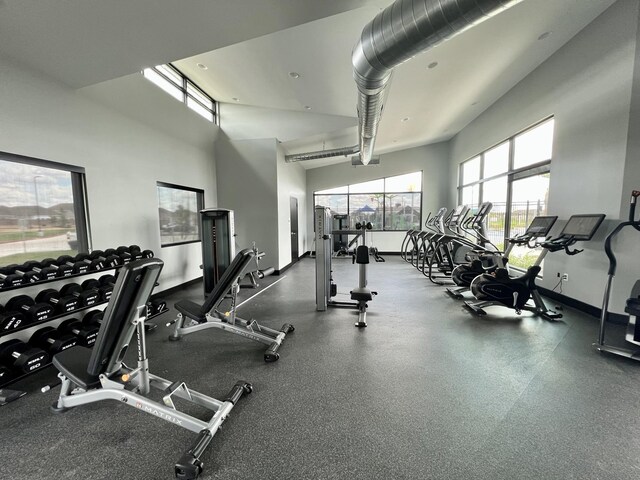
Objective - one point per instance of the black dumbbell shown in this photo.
(45, 272)
(93, 317)
(108, 261)
(10, 319)
(61, 303)
(33, 312)
(28, 275)
(5, 374)
(124, 254)
(85, 334)
(104, 290)
(76, 266)
(8, 277)
(86, 298)
(94, 264)
(52, 341)
(135, 252)
(156, 306)
(22, 357)
(63, 270)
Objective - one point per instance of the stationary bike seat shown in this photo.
(633, 306)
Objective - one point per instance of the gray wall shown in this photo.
(123, 159)
(586, 85)
(247, 183)
(433, 160)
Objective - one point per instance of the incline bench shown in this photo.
(90, 376)
(208, 315)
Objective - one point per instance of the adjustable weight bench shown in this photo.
(90, 376)
(194, 318)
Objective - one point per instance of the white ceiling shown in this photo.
(250, 46)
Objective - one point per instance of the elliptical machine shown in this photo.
(500, 289)
(464, 274)
(633, 303)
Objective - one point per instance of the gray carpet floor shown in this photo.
(427, 391)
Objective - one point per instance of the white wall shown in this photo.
(292, 182)
(247, 184)
(433, 160)
(586, 85)
(123, 159)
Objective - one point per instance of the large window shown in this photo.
(178, 209)
(176, 84)
(514, 176)
(42, 209)
(391, 203)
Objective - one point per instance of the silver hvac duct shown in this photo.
(399, 32)
(336, 152)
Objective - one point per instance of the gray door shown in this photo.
(293, 202)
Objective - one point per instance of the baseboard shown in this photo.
(290, 264)
(617, 318)
(177, 288)
(389, 253)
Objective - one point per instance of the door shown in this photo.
(293, 202)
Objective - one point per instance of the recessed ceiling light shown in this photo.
(202, 66)
(307, 107)
(235, 99)
(294, 74)
(432, 65)
(405, 119)
(544, 35)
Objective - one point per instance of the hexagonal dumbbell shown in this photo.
(94, 264)
(156, 306)
(34, 312)
(10, 319)
(61, 303)
(52, 341)
(85, 334)
(124, 254)
(86, 298)
(22, 357)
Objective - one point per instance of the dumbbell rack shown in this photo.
(48, 282)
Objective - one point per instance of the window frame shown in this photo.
(383, 193)
(184, 89)
(512, 174)
(78, 189)
(200, 206)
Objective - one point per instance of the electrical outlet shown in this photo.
(565, 277)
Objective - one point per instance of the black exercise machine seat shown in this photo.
(231, 274)
(82, 365)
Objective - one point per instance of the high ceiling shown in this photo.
(250, 47)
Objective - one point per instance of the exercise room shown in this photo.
(348, 239)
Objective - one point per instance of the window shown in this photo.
(390, 204)
(178, 209)
(176, 84)
(42, 209)
(514, 176)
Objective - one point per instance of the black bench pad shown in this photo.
(191, 310)
(72, 363)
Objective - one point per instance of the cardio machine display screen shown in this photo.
(540, 226)
(582, 227)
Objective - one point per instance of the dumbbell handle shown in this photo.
(48, 387)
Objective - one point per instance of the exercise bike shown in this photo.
(633, 303)
(499, 289)
(464, 274)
